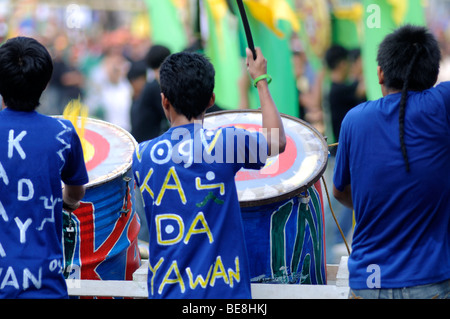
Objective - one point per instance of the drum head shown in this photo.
(108, 151)
(286, 175)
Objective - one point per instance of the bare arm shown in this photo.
(72, 195)
(272, 123)
(345, 197)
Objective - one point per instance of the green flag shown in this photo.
(278, 53)
(166, 25)
(222, 47)
(347, 26)
(381, 18)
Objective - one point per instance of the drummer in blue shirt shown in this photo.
(37, 152)
(392, 167)
(186, 177)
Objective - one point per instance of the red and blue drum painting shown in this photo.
(282, 204)
(101, 236)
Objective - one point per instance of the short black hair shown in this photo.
(187, 81)
(335, 55)
(25, 70)
(156, 56)
(410, 59)
(137, 69)
(405, 46)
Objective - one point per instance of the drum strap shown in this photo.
(334, 216)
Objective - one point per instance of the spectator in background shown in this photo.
(137, 76)
(109, 94)
(345, 92)
(309, 86)
(67, 81)
(147, 117)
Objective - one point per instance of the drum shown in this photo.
(101, 236)
(282, 204)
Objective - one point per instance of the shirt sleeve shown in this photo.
(74, 170)
(341, 177)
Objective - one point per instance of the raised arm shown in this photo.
(272, 123)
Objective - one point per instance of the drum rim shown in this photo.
(300, 189)
(121, 170)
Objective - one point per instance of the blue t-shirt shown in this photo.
(186, 177)
(402, 235)
(36, 153)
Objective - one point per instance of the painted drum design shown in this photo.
(100, 237)
(282, 204)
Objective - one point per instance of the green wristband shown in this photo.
(262, 77)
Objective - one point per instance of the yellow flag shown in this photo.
(399, 9)
(269, 12)
(218, 9)
(355, 12)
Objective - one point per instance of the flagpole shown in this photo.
(248, 32)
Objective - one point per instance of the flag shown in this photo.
(381, 18)
(347, 24)
(269, 12)
(271, 22)
(222, 47)
(166, 24)
(315, 30)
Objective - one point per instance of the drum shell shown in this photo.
(282, 245)
(101, 236)
(106, 243)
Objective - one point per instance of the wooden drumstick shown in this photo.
(248, 32)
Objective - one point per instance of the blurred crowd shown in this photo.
(97, 70)
(109, 69)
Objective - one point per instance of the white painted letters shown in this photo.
(23, 228)
(10, 279)
(3, 175)
(27, 275)
(28, 278)
(14, 142)
(3, 213)
(20, 191)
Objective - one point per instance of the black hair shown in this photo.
(410, 59)
(25, 70)
(137, 69)
(354, 54)
(156, 56)
(187, 81)
(335, 55)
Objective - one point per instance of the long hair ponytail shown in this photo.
(403, 102)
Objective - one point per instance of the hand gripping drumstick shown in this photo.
(248, 32)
